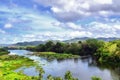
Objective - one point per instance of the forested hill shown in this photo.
(32, 43)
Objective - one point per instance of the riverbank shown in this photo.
(9, 63)
(81, 67)
(104, 52)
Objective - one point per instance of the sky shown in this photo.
(39, 20)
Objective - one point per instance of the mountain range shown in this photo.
(85, 38)
(35, 43)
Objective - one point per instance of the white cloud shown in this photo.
(93, 29)
(103, 2)
(68, 26)
(80, 34)
(56, 10)
(73, 26)
(55, 35)
(8, 25)
(70, 10)
(2, 31)
(32, 24)
(104, 29)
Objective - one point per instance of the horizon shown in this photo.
(41, 20)
(65, 40)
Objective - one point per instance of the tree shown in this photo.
(41, 48)
(74, 48)
(41, 72)
(59, 47)
(49, 77)
(68, 76)
(3, 51)
(49, 46)
(94, 45)
(96, 78)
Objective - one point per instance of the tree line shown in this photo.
(3, 51)
(103, 51)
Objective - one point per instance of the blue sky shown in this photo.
(30, 20)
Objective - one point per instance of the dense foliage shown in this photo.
(3, 51)
(109, 53)
(103, 51)
(87, 47)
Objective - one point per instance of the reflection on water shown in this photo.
(31, 71)
(80, 68)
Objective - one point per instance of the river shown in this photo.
(83, 69)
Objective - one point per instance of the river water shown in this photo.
(83, 69)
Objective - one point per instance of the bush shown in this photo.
(3, 51)
(96, 78)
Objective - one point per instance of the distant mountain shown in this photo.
(107, 39)
(32, 43)
(4, 45)
(35, 43)
(85, 38)
(77, 39)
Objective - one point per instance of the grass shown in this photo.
(8, 63)
(53, 55)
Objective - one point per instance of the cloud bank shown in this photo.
(72, 10)
(58, 19)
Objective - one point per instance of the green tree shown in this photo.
(74, 48)
(41, 48)
(41, 72)
(68, 76)
(3, 51)
(59, 47)
(96, 78)
(49, 46)
(49, 77)
(93, 45)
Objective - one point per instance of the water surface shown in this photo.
(83, 69)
